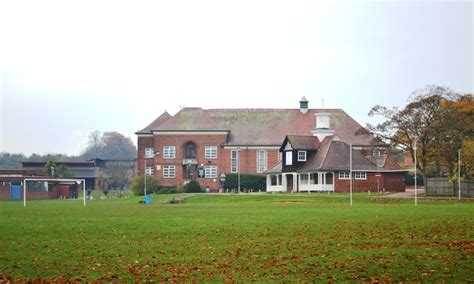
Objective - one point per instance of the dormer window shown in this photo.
(289, 158)
(301, 156)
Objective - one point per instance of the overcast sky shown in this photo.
(71, 67)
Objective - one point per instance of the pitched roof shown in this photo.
(303, 142)
(333, 155)
(263, 127)
(338, 159)
(190, 119)
(155, 124)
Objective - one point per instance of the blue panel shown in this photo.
(15, 191)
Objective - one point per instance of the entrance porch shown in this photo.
(301, 182)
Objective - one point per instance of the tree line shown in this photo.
(108, 146)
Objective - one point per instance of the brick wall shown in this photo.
(392, 182)
(5, 192)
(248, 157)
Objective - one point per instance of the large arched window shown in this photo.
(190, 150)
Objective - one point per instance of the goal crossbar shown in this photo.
(78, 181)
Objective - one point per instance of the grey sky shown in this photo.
(69, 68)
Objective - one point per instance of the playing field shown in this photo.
(268, 238)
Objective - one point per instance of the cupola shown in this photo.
(323, 125)
(304, 105)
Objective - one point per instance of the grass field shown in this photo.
(269, 238)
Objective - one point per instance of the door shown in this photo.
(15, 192)
(289, 183)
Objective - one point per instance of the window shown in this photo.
(289, 158)
(190, 150)
(360, 175)
(149, 171)
(210, 171)
(149, 152)
(210, 152)
(280, 156)
(169, 152)
(344, 175)
(261, 161)
(304, 178)
(169, 171)
(301, 156)
(234, 160)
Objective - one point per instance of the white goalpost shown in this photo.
(77, 181)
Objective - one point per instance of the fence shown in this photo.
(443, 187)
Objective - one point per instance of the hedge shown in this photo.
(249, 182)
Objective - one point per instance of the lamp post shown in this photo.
(416, 189)
(350, 171)
(144, 176)
(222, 178)
(144, 172)
(459, 174)
(238, 170)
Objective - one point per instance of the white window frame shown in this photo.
(149, 152)
(169, 171)
(210, 171)
(210, 152)
(262, 161)
(149, 170)
(234, 161)
(169, 152)
(300, 158)
(344, 175)
(289, 158)
(360, 175)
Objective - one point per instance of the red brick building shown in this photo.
(202, 144)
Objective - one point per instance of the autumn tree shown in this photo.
(456, 132)
(416, 123)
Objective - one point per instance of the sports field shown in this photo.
(267, 238)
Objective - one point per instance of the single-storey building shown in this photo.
(311, 165)
(38, 185)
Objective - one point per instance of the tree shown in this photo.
(64, 172)
(50, 168)
(138, 185)
(456, 129)
(416, 123)
(11, 161)
(109, 146)
(116, 176)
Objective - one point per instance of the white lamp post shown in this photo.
(350, 171)
(144, 172)
(459, 174)
(238, 170)
(416, 190)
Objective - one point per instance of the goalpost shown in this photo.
(78, 181)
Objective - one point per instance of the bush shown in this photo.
(138, 185)
(167, 190)
(192, 187)
(250, 182)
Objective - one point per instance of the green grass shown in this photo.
(266, 238)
